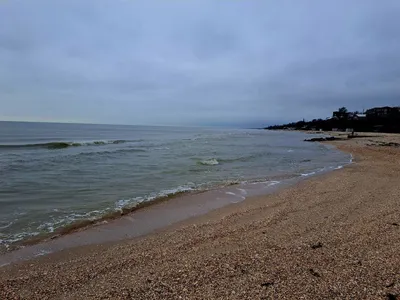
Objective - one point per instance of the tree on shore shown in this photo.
(342, 119)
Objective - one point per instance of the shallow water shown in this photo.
(52, 175)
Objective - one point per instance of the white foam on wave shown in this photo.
(5, 264)
(273, 183)
(210, 162)
(17, 237)
(6, 226)
(241, 198)
(308, 174)
(131, 202)
(242, 191)
(257, 181)
(267, 182)
(230, 193)
(60, 221)
(42, 252)
(122, 203)
(179, 189)
(48, 226)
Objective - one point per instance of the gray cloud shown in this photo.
(196, 62)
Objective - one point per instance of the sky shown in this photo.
(196, 62)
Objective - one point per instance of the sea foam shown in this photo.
(209, 162)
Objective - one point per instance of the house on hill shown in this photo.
(340, 115)
(359, 116)
(382, 112)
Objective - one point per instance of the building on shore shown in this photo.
(382, 112)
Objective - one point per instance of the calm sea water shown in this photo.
(54, 174)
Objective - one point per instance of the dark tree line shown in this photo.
(342, 120)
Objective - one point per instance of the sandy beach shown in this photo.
(334, 236)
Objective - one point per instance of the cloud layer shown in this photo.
(207, 62)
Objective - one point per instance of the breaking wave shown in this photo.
(209, 162)
(71, 222)
(63, 145)
(217, 161)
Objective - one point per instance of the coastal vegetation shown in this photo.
(378, 119)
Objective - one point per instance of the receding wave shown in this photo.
(63, 145)
(72, 222)
(75, 221)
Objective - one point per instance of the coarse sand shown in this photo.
(334, 236)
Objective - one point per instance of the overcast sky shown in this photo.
(196, 62)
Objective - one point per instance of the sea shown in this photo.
(54, 175)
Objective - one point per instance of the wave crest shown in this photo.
(209, 162)
(63, 145)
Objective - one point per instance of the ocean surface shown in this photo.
(52, 175)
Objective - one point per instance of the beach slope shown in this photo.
(335, 236)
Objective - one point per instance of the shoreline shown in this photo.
(330, 236)
(130, 211)
(169, 211)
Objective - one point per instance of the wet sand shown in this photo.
(335, 236)
(144, 220)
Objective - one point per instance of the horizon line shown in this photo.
(149, 125)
